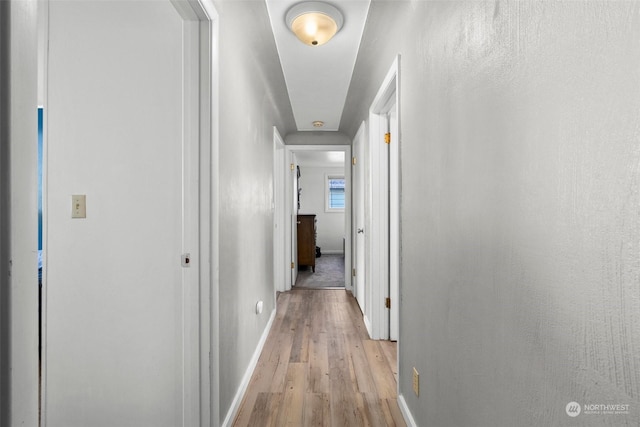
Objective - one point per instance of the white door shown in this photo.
(394, 223)
(358, 167)
(120, 323)
(389, 172)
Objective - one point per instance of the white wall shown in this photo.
(329, 225)
(316, 138)
(18, 215)
(520, 236)
(253, 98)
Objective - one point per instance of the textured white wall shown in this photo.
(330, 225)
(520, 275)
(253, 98)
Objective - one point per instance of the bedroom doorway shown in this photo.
(320, 216)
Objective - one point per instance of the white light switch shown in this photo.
(79, 206)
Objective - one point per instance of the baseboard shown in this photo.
(332, 252)
(237, 400)
(367, 324)
(406, 413)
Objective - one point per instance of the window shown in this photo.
(335, 193)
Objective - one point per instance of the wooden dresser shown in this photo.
(307, 241)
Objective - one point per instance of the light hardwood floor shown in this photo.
(319, 368)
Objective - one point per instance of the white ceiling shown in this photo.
(320, 158)
(318, 77)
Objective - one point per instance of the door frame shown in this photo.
(290, 152)
(383, 240)
(281, 276)
(209, 143)
(18, 214)
(358, 171)
(206, 408)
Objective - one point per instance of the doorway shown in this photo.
(382, 199)
(358, 233)
(320, 191)
(280, 268)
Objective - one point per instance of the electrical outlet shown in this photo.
(416, 381)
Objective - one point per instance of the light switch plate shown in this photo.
(79, 206)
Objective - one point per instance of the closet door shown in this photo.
(118, 339)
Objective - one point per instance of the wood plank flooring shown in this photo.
(319, 368)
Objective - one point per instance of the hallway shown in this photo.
(319, 367)
(169, 182)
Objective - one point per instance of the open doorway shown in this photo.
(382, 199)
(319, 216)
(320, 220)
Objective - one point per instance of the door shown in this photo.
(121, 328)
(394, 223)
(358, 166)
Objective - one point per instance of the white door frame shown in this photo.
(383, 196)
(281, 276)
(291, 210)
(18, 216)
(358, 168)
(290, 150)
(206, 14)
(202, 321)
(202, 369)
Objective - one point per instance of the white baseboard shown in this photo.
(406, 413)
(332, 252)
(367, 324)
(237, 400)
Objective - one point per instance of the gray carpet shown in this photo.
(329, 273)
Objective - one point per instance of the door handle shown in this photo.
(360, 230)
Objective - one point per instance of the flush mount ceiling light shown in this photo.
(314, 22)
(318, 124)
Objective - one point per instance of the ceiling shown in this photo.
(318, 77)
(320, 158)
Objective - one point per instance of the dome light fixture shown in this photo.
(318, 124)
(314, 22)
